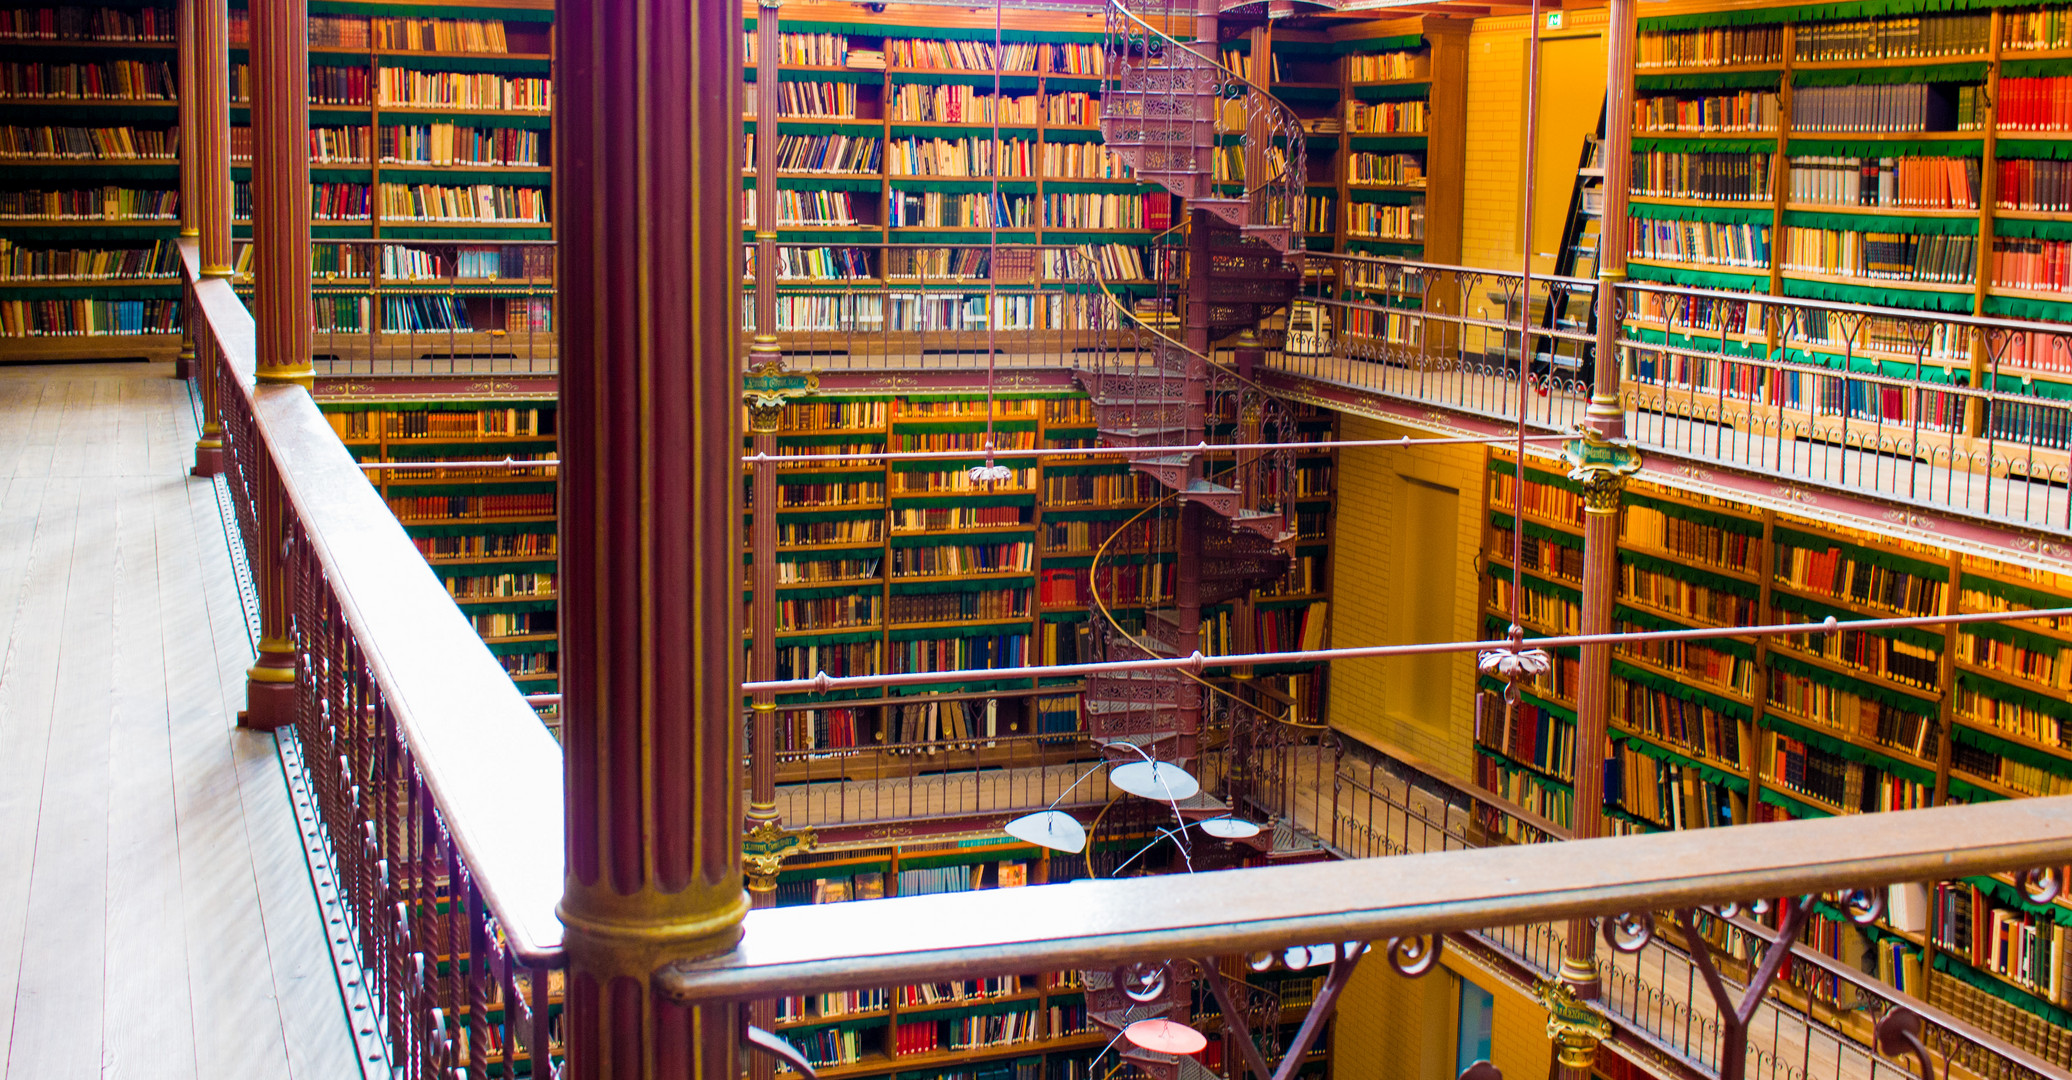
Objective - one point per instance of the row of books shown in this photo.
(87, 318)
(827, 99)
(958, 653)
(110, 203)
(466, 90)
(1372, 67)
(974, 156)
(960, 104)
(1838, 572)
(803, 496)
(966, 606)
(537, 663)
(437, 35)
(2012, 717)
(495, 586)
(327, 202)
(1674, 595)
(1368, 167)
(951, 560)
(818, 207)
(409, 508)
(1744, 110)
(1808, 770)
(1385, 222)
(960, 480)
(1526, 790)
(1913, 183)
(1666, 794)
(971, 210)
(825, 613)
(1719, 177)
(944, 518)
(2041, 265)
(96, 143)
(1648, 526)
(1545, 501)
(1526, 733)
(798, 48)
(827, 571)
(1698, 728)
(1095, 210)
(2033, 661)
(963, 55)
(1721, 670)
(18, 263)
(1711, 242)
(1387, 117)
(823, 153)
(87, 24)
(1894, 38)
(2034, 104)
(1888, 107)
(2024, 779)
(118, 80)
(2035, 185)
(1710, 46)
(2029, 950)
(1951, 260)
(806, 661)
(2028, 31)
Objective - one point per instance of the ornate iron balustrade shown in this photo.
(437, 791)
(1919, 408)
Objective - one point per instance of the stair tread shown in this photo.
(1204, 487)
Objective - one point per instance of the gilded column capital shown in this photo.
(1573, 1025)
(767, 387)
(1601, 467)
(765, 847)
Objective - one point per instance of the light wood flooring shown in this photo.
(156, 914)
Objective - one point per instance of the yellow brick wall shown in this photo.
(1495, 172)
(1385, 543)
(1393, 1028)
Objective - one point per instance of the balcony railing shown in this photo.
(438, 795)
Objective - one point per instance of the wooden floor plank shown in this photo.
(156, 918)
(149, 1024)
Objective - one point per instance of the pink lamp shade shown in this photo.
(1165, 1037)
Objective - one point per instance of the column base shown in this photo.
(208, 459)
(183, 366)
(269, 692)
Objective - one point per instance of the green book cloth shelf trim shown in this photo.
(521, 648)
(142, 230)
(1818, 146)
(2012, 634)
(1498, 628)
(807, 517)
(1070, 135)
(2034, 757)
(1539, 585)
(2047, 704)
(1851, 752)
(1747, 590)
(393, 174)
(821, 554)
(1884, 560)
(2030, 69)
(1675, 145)
(1537, 531)
(534, 123)
(2033, 229)
(902, 128)
(1134, 239)
(449, 570)
(939, 501)
(1019, 628)
(1895, 294)
(1684, 341)
(823, 592)
(1799, 605)
(1710, 773)
(1649, 621)
(1868, 691)
(1697, 279)
(971, 857)
(1790, 805)
(91, 292)
(433, 11)
(1709, 80)
(1067, 616)
(1535, 476)
(2015, 996)
(962, 585)
(1383, 247)
(2013, 307)
(847, 637)
(1109, 514)
(2039, 149)
(509, 607)
(1306, 93)
(1082, 470)
(829, 182)
(1632, 818)
(835, 873)
(1396, 43)
(1740, 526)
(1891, 76)
(482, 528)
(1386, 92)
(490, 62)
(1682, 691)
(1530, 770)
(1850, 9)
(1386, 142)
(1732, 215)
(1882, 223)
(982, 539)
(2009, 896)
(960, 427)
(435, 232)
(487, 487)
(1391, 198)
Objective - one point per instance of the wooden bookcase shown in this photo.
(71, 202)
(1956, 182)
(889, 568)
(489, 534)
(1747, 729)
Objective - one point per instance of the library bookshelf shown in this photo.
(1914, 159)
(89, 183)
(1758, 729)
(489, 534)
(887, 126)
(910, 566)
(1026, 1027)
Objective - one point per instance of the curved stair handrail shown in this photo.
(1272, 133)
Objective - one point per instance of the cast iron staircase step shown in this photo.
(1233, 211)
(1269, 524)
(1222, 500)
(1170, 470)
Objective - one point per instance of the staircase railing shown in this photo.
(1256, 132)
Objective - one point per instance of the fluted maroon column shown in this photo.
(648, 115)
(280, 307)
(183, 87)
(209, 136)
